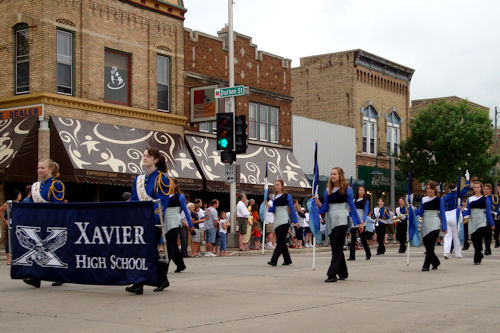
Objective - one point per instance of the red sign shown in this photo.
(22, 112)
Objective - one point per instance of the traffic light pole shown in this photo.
(232, 189)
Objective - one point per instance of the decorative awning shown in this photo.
(108, 154)
(282, 165)
(18, 149)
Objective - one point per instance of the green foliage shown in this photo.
(446, 136)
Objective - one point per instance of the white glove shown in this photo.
(409, 199)
(467, 175)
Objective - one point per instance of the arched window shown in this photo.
(370, 117)
(393, 133)
(22, 59)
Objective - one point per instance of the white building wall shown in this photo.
(336, 146)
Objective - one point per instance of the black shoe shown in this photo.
(32, 282)
(162, 286)
(368, 257)
(497, 245)
(287, 263)
(477, 263)
(435, 267)
(57, 284)
(179, 269)
(425, 269)
(466, 246)
(487, 252)
(341, 278)
(271, 263)
(135, 289)
(351, 258)
(380, 253)
(331, 279)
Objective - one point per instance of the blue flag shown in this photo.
(413, 234)
(314, 219)
(262, 208)
(110, 243)
(461, 235)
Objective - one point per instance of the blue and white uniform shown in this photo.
(479, 211)
(363, 208)
(49, 190)
(453, 217)
(382, 216)
(280, 206)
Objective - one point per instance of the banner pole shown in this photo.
(314, 254)
(408, 238)
(263, 236)
(162, 226)
(9, 225)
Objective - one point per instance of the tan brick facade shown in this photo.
(267, 75)
(336, 87)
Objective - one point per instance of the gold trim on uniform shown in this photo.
(159, 184)
(53, 191)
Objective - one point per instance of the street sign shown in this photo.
(231, 91)
(232, 173)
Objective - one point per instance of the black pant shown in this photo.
(497, 232)
(281, 248)
(338, 265)
(380, 238)
(184, 241)
(430, 242)
(477, 241)
(487, 238)
(172, 249)
(161, 266)
(401, 235)
(352, 248)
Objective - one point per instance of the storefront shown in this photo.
(378, 183)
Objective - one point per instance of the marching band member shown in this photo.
(176, 202)
(382, 216)
(402, 216)
(281, 202)
(46, 189)
(496, 207)
(433, 215)
(488, 232)
(453, 217)
(479, 211)
(363, 207)
(154, 184)
(337, 197)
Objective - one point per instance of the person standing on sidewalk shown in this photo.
(211, 226)
(433, 216)
(242, 215)
(363, 208)
(281, 203)
(337, 198)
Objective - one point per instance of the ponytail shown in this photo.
(161, 165)
(53, 166)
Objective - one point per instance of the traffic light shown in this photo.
(240, 134)
(225, 125)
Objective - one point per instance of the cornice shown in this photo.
(161, 6)
(92, 106)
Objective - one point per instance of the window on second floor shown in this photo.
(393, 133)
(22, 59)
(117, 77)
(64, 62)
(263, 122)
(163, 81)
(370, 130)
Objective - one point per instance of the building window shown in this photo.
(263, 123)
(117, 77)
(22, 59)
(393, 133)
(369, 130)
(64, 62)
(163, 80)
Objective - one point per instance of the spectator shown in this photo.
(248, 234)
(242, 215)
(307, 230)
(223, 225)
(299, 228)
(211, 223)
(28, 194)
(196, 239)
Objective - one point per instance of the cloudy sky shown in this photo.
(453, 45)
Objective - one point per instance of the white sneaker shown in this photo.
(446, 256)
(458, 256)
(209, 254)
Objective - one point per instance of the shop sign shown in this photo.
(22, 112)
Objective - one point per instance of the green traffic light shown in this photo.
(223, 143)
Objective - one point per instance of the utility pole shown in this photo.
(232, 184)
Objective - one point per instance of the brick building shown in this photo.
(267, 108)
(91, 83)
(364, 91)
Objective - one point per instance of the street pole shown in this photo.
(232, 188)
(393, 183)
(496, 164)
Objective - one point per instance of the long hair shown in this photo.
(161, 165)
(433, 186)
(357, 192)
(283, 190)
(342, 182)
(177, 189)
(53, 166)
(480, 184)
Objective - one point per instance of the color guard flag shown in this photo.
(314, 219)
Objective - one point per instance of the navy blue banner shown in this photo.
(110, 243)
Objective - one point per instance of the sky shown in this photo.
(453, 45)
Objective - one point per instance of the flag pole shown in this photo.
(410, 211)
(266, 192)
(314, 190)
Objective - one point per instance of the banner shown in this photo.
(111, 243)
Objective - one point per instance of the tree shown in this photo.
(447, 136)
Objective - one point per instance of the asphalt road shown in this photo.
(244, 294)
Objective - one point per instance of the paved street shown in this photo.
(244, 294)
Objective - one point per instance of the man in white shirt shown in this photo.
(242, 215)
(269, 225)
(211, 226)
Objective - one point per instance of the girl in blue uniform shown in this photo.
(382, 216)
(479, 212)
(433, 213)
(154, 184)
(402, 215)
(337, 197)
(47, 189)
(363, 207)
(176, 202)
(281, 203)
